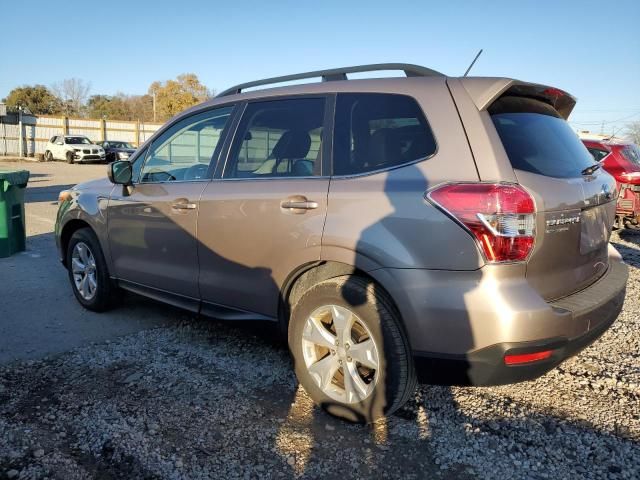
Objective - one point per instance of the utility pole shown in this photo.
(20, 134)
(154, 106)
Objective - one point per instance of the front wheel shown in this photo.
(350, 351)
(48, 156)
(88, 271)
(69, 156)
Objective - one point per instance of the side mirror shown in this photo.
(120, 172)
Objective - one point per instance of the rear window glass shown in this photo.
(374, 131)
(632, 153)
(537, 139)
(597, 153)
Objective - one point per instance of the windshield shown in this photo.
(120, 145)
(632, 153)
(77, 140)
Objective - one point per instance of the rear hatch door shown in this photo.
(575, 204)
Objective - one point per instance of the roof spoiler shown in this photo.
(486, 90)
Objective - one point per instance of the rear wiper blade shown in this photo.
(589, 170)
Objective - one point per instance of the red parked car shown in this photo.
(622, 160)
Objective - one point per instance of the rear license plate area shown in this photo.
(595, 230)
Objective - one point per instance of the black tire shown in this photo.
(396, 381)
(48, 157)
(69, 156)
(104, 296)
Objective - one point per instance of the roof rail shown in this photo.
(337, 74)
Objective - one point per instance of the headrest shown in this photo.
(292, 144)
(385, 147)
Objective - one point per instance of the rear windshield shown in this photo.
(537, 139)
(632, 153)
(597, 153)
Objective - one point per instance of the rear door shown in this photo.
(575, 205)
(264, 214)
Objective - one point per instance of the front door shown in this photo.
(264, 216)
(57, 148)
(152, 225)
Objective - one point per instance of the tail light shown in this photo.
(501, 217)
(631, 177)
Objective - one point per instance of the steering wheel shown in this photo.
(155, 175)
(196, 172)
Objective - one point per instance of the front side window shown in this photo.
(281, 138)
(374, 131)
(137, 165)
(184, 151)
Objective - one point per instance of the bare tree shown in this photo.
(633, 132)
(74, 93)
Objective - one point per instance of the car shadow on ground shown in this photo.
(44, 194)
(39, 315)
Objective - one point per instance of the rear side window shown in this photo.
(375, 131)
(537, 139)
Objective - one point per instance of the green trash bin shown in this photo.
(12, 220)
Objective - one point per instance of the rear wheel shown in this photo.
(88, 271)
(351, 354)
(69, 156)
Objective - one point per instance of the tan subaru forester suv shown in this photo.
(449, 229)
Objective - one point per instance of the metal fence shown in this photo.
(37, 130)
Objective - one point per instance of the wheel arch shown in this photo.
(68, 230)
(305, 276)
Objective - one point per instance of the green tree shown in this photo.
(121, 107)
(36, 98)
(115, 107)
(174, 96)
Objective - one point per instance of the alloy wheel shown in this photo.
(340, 354)
(83, 267)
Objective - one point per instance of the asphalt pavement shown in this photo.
(38, 314)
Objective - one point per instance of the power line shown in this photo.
(599, 122)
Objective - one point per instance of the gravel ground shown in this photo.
(206, 399)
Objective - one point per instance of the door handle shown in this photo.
(298, 202)
(183, 204)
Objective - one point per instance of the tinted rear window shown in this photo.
(537, 139)
(632, 153)
(597, 153)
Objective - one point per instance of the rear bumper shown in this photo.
(486, 366)
(461, 334)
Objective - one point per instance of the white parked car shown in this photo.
(73, 148)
